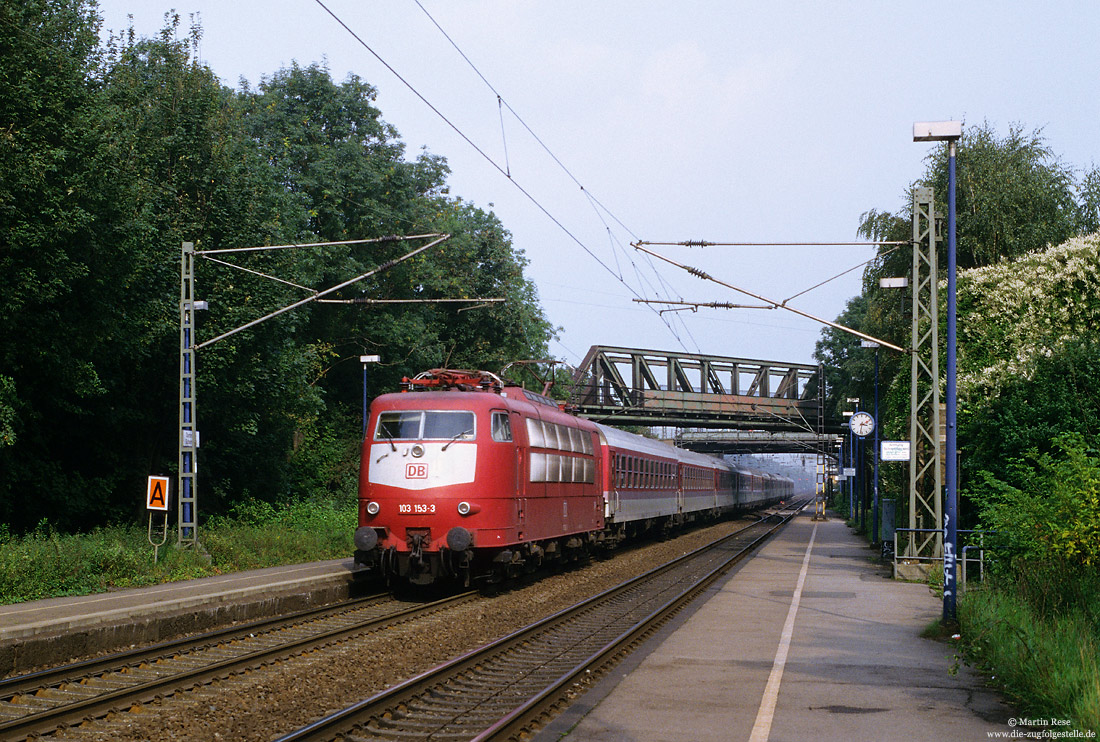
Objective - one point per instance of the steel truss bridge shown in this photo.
(744, 405)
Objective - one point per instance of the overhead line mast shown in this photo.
(189, 435)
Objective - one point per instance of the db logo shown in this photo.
(416, 471)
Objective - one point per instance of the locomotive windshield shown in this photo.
(425, 425)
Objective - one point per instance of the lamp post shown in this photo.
(852, 479)
(853, 462)
(950, 132)
(874, 500)
(365, 360)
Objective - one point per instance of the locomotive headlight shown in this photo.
(417, 450)
(373, 508)
(465, 508)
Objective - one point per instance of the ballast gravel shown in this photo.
(270, 701)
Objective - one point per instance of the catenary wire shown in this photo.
(503, 171)
(475, 147)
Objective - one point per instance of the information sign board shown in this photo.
(895, 451)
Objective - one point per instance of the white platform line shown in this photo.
(763, 726)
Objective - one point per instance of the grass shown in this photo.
(46, 564)
(1044, 656)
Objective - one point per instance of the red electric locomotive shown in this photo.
(463, 475)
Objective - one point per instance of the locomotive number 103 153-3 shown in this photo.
(417, 508)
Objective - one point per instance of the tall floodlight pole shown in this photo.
(950, 132)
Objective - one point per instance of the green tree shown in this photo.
(116, 155)
(1014, 195)
(1015, 198)
(48, 199)
(846, 364)
(193, 172)
(330, 146)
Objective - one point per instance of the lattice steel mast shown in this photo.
(926, 463)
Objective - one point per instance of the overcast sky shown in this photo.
(702, 120)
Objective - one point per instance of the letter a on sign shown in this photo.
(156, 494)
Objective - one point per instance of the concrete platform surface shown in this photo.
(808, 640)
(57, 629)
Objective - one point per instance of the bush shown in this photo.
(46, 564)
(1056, 519)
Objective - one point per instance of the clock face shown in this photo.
(862, 423)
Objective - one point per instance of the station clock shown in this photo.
(862, 424)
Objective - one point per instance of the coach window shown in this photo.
(502, 426)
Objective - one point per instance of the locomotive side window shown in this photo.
(553, 467)
(561, 467)
(534, 433)
(544, 434)
(538, 467)
(501, 427)
(565, 438)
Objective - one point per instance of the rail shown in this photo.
(39, 703)
(503, 689)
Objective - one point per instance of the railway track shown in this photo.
(503, 689)
(40, 702)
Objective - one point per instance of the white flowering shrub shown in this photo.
(1015, 313)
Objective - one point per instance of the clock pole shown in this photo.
(863, 424)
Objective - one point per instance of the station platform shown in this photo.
(807, 640)
(53, 631)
